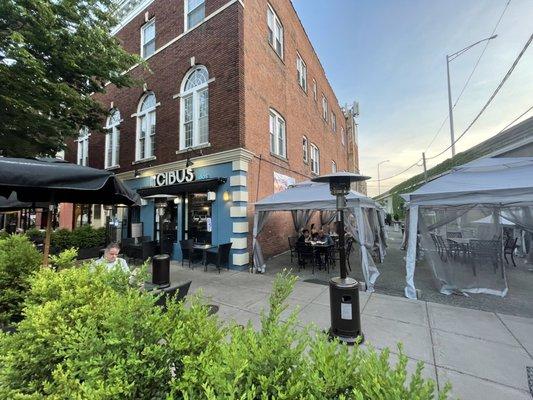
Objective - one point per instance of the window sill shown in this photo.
(275, 52)
(285, 159)
(303, 89)
(112, 167)
(198, 147)
(143, 160)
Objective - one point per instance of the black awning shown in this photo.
(195, 186)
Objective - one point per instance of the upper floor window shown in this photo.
(195, 13)
(278, 142)
(275, 31)
(83, 147)
(112, 139)
(194, 129)
(333, 166)
(148, 39)
(343, 138)
(305, 149)
(315, 159)
(302, 72)
(333, 122)
(324, 108)
(145, 146)
(314, 90)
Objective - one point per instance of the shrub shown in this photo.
(35, 234)
(19, 259)
(83, 237)
(65, 259)
(61, 239)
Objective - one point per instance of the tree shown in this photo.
(54, 54)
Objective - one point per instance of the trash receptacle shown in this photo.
(345, 313)
(161, 269)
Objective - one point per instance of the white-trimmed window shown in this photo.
(333, 166)
(324, 108)
(314, 90)
(112, 139)
(275, 31)
(194, 129)
(343, 137)
(315, 159)
(333, 122)
(83, 147)
(302, 71)
(278, 142)
(148, 39)
(145, 147)
(194, 13)
(305, 149)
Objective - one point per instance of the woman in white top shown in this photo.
(112, 260)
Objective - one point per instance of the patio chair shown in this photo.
(484, 252)
(292, 246)
(454, 235)
(144, 250)
(176, 292)
(444, 250)
(305, 253)
(509, 248)
(187, 250)
(218, 256)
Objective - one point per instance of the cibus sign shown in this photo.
(172, 177)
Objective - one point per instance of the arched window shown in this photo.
(194, 130)
(112, 139)
(145, 147)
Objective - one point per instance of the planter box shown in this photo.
(89, 252)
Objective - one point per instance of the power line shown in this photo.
(395, 175)
(507, 75)
(516, 119)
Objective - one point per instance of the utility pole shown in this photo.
(425, 169)
(450, 107)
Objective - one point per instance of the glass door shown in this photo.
(197, 212)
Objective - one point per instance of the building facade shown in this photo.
(235, 106)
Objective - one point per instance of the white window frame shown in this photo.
(315, 159)
(277, 134)
(82, 157)
(150, 114)
(186, 10)
(112, 140)
(305, 149)
(193, 93)
(324, 108)
(334, 122)
(275, 28)
(315, 95)
(301, 69)
(333, 166)
(143, 44)
(343, 137)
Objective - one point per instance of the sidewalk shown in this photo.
(484, 355)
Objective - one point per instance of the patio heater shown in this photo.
(343, 290)
(107, 210)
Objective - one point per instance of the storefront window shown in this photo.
(198, 218)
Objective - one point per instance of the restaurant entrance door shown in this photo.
(197, 217)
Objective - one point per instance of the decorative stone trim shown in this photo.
(237, 180)
(239, 243)
(240, 195)
(240, 165)
(240, 227)
(241, 259)
(237, 212)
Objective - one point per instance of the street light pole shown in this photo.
(449, 58)
(379, 179)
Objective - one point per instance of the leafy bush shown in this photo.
(35, 234)
(61, 239)
(65, 259)
(88, 335)
(19, 259)
(83, 237)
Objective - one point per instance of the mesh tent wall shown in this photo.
(361, 215)
(476, 199)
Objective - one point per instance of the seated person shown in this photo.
(111, 260)
(322, 237)
(304, 237)
(314, 234)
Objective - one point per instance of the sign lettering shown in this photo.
(172, 177)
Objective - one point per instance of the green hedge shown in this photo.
(83, 237)
(88, 335)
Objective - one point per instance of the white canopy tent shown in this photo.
(306, 197)
(495, 191)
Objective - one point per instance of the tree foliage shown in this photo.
(53, 56)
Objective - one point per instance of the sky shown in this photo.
(390, 56)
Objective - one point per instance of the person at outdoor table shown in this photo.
(304, 237)
(323, 238)
(111, 259)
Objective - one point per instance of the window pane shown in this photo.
(109, 149)
(116, 146)
(148, 102)
(203, 112)
(272, 136)
(149, 32)
(149, 49)
(142, 133)
(196, 16)
(197, 78)
(187, 119)
(281, 137)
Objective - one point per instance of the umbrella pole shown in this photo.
(46, 249)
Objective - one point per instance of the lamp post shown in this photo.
(451, 57)
(379, 182)
(343, 291)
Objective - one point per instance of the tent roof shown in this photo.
(309, 195)
(486, 180)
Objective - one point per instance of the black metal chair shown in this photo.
(187, 250)
(218, 256)
(292, 246)
(305, 254)
(144, 250)
(510, 246)
(176, 292)
(484, 252)
(454, 235)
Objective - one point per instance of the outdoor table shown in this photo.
(319, 249)
(203, 248)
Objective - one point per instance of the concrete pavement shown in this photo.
(483, 354)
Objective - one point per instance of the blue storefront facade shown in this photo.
(206, 201)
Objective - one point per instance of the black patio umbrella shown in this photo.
(54, 181)
(13, 204)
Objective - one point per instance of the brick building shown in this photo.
(235, 105)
